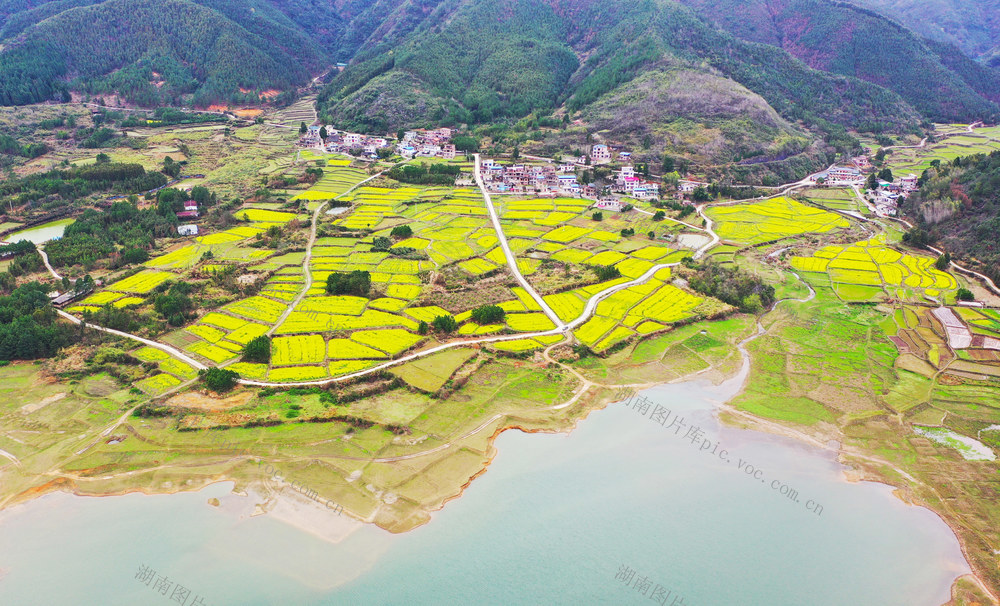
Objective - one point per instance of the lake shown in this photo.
(41, 233)
(557, 519)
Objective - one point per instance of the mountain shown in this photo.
(942, 83)
(971, 25)
(152, 52)
(759, 83)
(476, 61)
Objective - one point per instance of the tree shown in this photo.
(303, 129)
(668, 164)
(885, 174)
(597, 216)
(700, 194)
(606, 272)
(516, 153)
(171, 168)
(102, 158)
(916, 237)
(357, 283)
(323, 134)
(872, 182)
(487, 314)
(943, 261)
(445, 324)
(751, 304)
(381, 243)
(465, 143)
(401, 231)
(659, 215)
(219, 379)
(258, 350)
(964, 294)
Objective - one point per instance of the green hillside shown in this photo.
(959, 208)
(844, 39)
(972, 25)
(485, 60)
(117, 45)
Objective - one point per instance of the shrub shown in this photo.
(597, 216)
(964, 294)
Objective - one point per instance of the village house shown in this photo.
(190, 210)
(909, 183)
(448, 152)
(862, 163)
(187, 230)
(686, 186)
(611, 204)
(600, 154)
(842, 175)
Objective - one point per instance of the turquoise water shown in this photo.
(551, 522)
(41, 233)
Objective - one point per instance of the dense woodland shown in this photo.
(731, 285)
(55, 188)
(28, 325)
(98, 234)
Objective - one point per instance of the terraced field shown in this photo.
(954, 143)
(771, 220)
(867, 270)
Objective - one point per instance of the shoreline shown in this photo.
(589, 402)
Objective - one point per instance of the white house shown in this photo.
(600, 153)
(685, 186)
(187, 230)
(609, 204)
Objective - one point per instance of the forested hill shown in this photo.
(482, 59)
(151, 51)
(419, 61)
(958, 207)
(847, 40)
(972, 25)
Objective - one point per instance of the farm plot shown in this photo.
(864, 270)
(142, 282)
(259, 215)
(432, 372)
(771, 220)
(298, 349)
(257, 308)
(392, 341)
(157, 384)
